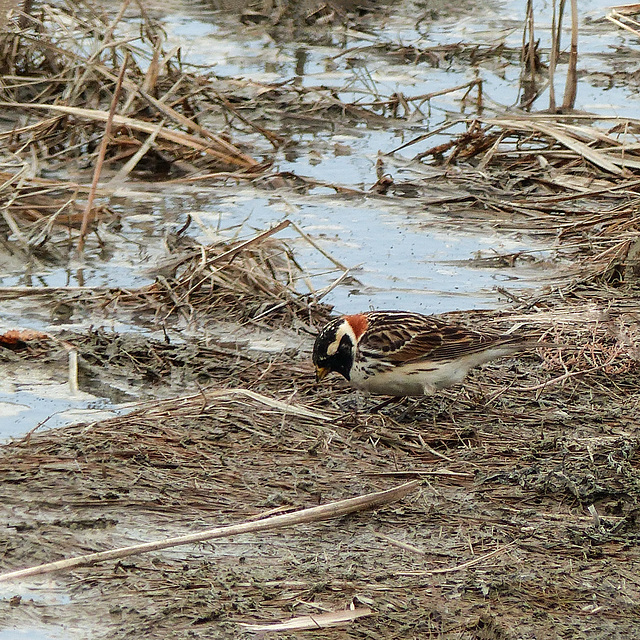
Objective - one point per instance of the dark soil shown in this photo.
(527, 521)
(548, 481)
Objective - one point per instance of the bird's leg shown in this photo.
(385, 403)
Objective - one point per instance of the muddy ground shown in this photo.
(538, 487)
(526, 521)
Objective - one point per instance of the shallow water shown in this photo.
(403, 255)
(28, 634)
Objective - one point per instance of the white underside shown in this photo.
(423, 378)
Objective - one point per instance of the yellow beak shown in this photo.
(321, 373)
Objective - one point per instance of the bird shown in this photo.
(402, 353)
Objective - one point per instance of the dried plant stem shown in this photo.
(320, 621)
(275, 139)
(460, 567)
(621, 16)
(553, 57)
(73, 371)
(313, 514)
(328, 256)
(571, 86)
(428, 96)
(255, 240)
(526, 52)
(566, 376)
(530, 54)
(101, 155)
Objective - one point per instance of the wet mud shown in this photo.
(151, 292)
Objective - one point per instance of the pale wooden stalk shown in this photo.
(556, 26)
(571, 86)
(313, 514)
(320, 621)
(101, 155)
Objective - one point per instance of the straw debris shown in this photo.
(509, 479)
(526, 522)
(59, 68)
(253, 280)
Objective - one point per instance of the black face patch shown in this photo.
(340, 361)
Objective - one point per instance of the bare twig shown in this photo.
(571, 86)
(101, 155)
(313, 514)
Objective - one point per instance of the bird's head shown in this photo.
(335, 346)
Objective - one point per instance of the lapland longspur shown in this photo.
(399, 353)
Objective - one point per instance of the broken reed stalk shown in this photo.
(553, 56)
(571, 86)
(101, 154)
(248, 243)
(313, 514)
(532, 43)
(237, 158)
(621, 17)
(423, 97)
(526, 53)
(5, 7)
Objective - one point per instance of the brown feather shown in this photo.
(402, 337)
(358, 323)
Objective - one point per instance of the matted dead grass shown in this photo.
(526, 521)
(64, 65)
(255, 279)
(530, 485)
(526, 525)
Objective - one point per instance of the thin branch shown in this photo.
(101, 154)
(571, 86)
(313, 514)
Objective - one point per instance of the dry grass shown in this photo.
(58, 67)
(526, 526)
(60, 74)
(509, 483)
(527, 516)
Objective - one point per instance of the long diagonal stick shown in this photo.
(314, 514)
(101, 154)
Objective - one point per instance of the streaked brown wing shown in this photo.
(401, 337)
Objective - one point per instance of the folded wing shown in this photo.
(401, 337)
